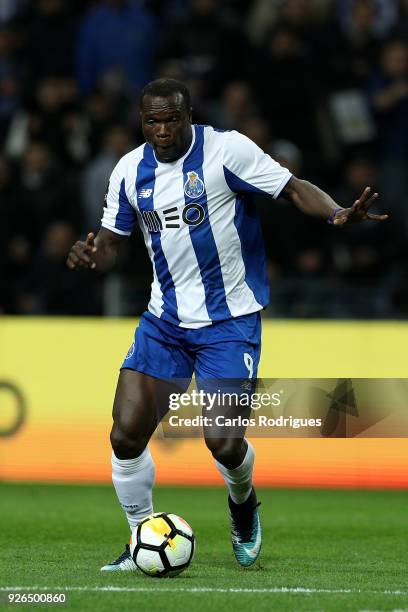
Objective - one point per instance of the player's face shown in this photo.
(166, 125)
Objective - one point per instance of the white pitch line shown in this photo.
(300, 590)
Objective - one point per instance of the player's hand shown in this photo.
(81, 254)
(359, 211)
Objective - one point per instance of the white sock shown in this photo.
(239, 479)
(133, 480)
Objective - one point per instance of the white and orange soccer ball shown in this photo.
(162, 545)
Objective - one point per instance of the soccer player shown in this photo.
(187, 188)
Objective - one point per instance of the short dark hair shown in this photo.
(164, 88)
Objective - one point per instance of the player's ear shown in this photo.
(190, 113)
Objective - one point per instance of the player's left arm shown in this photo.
(314, 201)
(248, 169)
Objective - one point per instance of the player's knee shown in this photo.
(224, 449)
(125, 444)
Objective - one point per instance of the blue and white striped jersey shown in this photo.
(202, 234)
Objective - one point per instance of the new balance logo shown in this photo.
(145, 193)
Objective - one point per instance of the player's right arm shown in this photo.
(100, 252)
(117, 224)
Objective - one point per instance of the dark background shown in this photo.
(321, 85)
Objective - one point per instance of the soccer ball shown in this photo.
(162, 545)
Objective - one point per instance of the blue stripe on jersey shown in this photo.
(237, 185)
(145, 179)
(126, 216)
(253, 253)
(202, 237)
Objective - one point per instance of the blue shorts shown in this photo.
(225, 350)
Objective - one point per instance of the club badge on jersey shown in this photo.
(194, 186)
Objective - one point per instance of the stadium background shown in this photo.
(321, 85)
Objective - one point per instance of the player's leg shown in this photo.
(246, 532)
(140, 403)
(134, 421)
(141, 400)
(228, 361)
(227, 364)
(234, 459)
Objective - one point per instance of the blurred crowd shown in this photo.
(321, 85)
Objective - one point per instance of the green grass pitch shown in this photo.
(343, 550)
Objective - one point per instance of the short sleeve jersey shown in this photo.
(200, 228)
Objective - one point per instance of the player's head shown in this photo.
(165, 109)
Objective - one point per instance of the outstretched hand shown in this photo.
(359, 211)
(80, 255)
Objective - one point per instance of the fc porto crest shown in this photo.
(194, 186)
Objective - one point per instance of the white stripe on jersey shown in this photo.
(156, 295)
(240, 298)
(181, 258)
